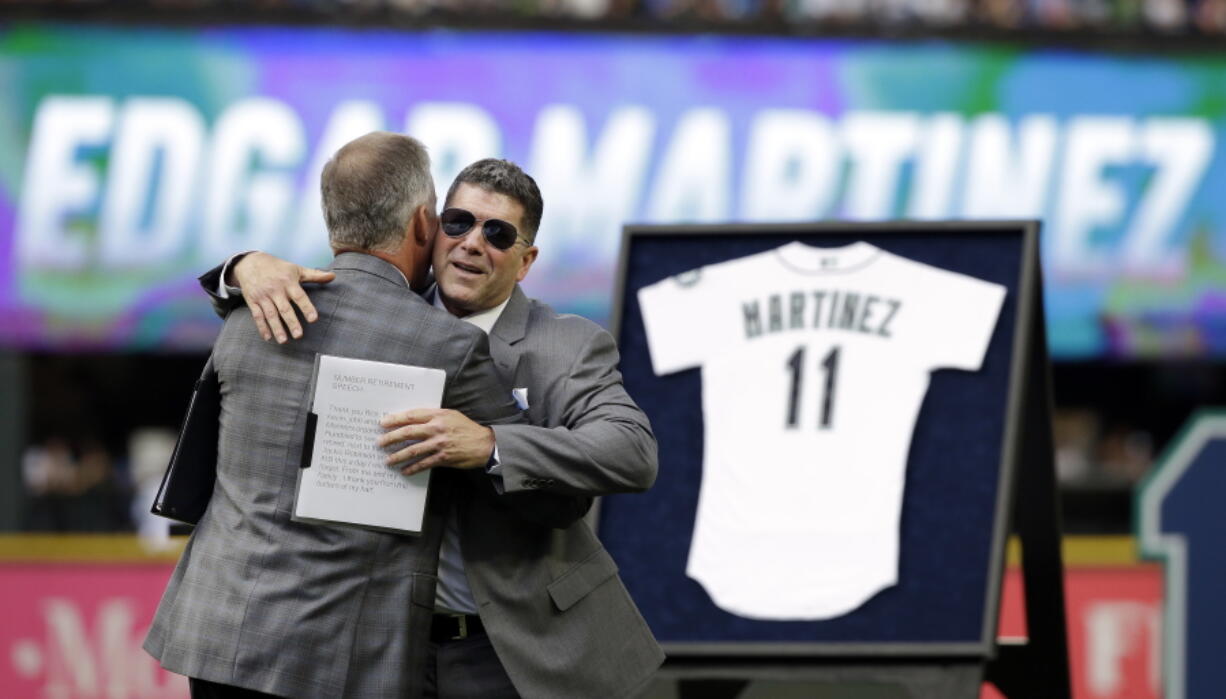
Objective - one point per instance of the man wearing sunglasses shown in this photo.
(522, 609)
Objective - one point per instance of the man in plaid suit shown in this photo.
(260, 604)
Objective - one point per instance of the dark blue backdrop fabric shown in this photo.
(952, 471)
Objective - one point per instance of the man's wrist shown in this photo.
(494, 465)
(493, 468)
(227, 286)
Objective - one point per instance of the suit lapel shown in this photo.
(507, 332)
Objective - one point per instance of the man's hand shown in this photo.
(447, 438)
(269, 286)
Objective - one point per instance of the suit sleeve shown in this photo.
(553, 510)
(478, 392)
(210, 281)
(602, 442)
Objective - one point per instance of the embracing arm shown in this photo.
(447, 438)
(212, 285)
(452, 439)
(602, 442)
(272, 287)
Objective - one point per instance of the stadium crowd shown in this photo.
(1102, 17)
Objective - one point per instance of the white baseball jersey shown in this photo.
(814, 364)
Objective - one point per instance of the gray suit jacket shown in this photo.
(303, 610)
(555, 609)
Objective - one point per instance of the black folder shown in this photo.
(187, 485)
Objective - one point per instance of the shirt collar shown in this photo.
(482, 319)
(406, 279)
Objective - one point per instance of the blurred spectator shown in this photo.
(1005, 14)
(581, 9)
(1211, 16)
(1124, 455)
(1054, 14)
(149, 451)
(74, 488)
(1165, 15)
(1092, 451)
(1074, 432)
(829, 12)
(48, 469)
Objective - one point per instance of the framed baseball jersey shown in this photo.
(839, 416)
(815, 361)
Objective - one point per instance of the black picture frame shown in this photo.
(638, 529)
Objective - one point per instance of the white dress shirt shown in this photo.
(453, 593)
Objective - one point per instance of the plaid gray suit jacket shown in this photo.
(303, 610)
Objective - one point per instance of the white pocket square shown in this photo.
(521, 397)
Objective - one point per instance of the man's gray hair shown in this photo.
(371, 187)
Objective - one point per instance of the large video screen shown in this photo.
(134, 158)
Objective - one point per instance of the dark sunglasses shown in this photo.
(499, 233)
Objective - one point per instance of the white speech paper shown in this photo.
(348, 481)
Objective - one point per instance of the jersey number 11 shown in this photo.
(829, 365)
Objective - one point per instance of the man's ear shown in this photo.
(525, 263)
(423, 223)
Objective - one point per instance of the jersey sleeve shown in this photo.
(674, 316)
(963, 327)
